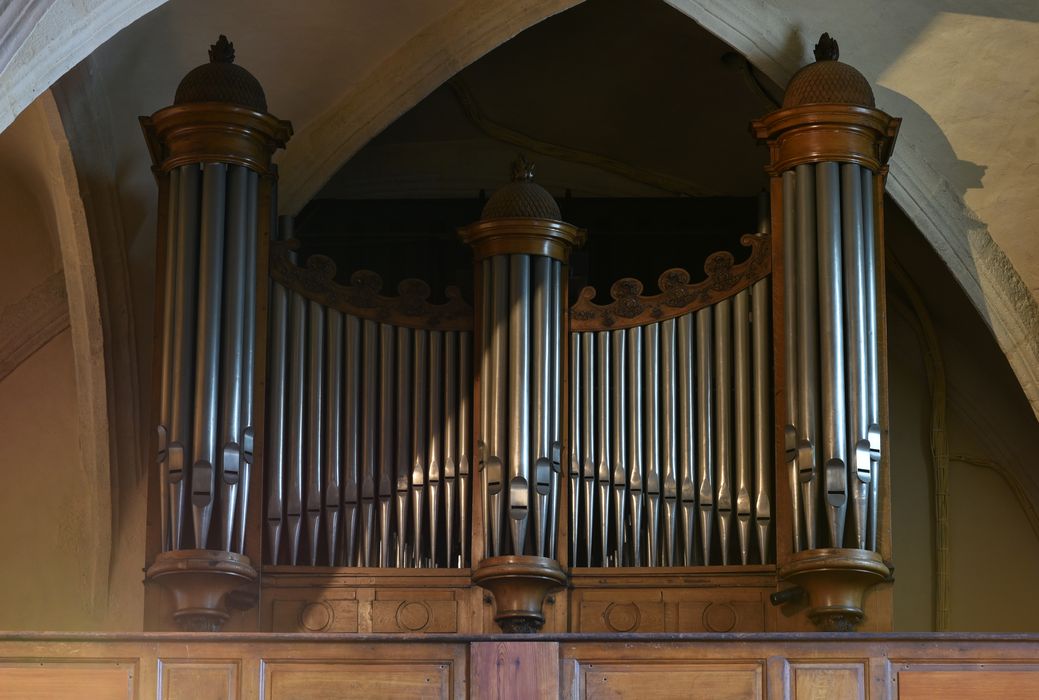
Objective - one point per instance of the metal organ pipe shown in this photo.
(872, 350)
(386, 473)
(687, 437)
(182, 344)
(519, 400)
(651, 442)
(791, 345)
(207, 357)
(858, 448)
(450, 443)
(333, 467)
(232, 351)
(405, 345)
(744, 445)
(352, 360)
(831, 350)
(807, 352)
(248, 432)
(618, 439)
(831, 345)
(315, 424)
(465, 500)
(668, 439)
(436, 401)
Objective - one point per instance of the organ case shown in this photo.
(686, 460)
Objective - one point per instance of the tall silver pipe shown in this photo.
(603, 371)
(576, 427)
(651, 442)
(723, 423)
(557, 326)
(669, 439)
(857, 354)
(297, 389)
(635, 454)
(687, 437)
(743, 438)
(465, 411)
(542, 317)
(207, 357)
(807, 352)
(450, 443)
(233, 343)
(403, 429)
(249, 354)
(705, 429)
(315, 421)
(618, 438)
(588, 445)
(519, 400)
(436, 449)
(762, 415)
(486, 388)
(386, 475)
(276, 421)
(495, 466)
(184, 330)
(169, 299)
(333, 465)
(831, 347)
(369, 443)
(791, 357)
(352, 438)
(872, 350)
(419, 443)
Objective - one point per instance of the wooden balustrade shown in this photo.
(807, 665)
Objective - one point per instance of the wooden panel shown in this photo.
(321, 615)
(721, 611)
(827, 681)
(74, 681)
(969, 684)
(623, 610)
(411, 615)
(641, 679)
(288, 680)
(519, 670)
(197, 680)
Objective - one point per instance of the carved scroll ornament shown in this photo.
(677, 296)
(411, 307)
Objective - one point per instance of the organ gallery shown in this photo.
(705, 456)
(610, 362)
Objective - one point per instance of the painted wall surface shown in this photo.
(45, 540)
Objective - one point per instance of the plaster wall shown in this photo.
(47, 523)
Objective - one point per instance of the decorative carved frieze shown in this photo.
(629, 308)
(411, 307)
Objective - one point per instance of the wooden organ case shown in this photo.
(709, 457)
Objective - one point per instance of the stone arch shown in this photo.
(63, 388)
(773, 42)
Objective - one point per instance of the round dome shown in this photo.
(828, 81)
(521, 198)
(221, 80)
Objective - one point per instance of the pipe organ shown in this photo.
(709, 457)
(369, 409)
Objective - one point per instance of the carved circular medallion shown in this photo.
(622, 617)
(316, 616)
(413, 615)
(719, 617)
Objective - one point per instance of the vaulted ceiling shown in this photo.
(962, 73)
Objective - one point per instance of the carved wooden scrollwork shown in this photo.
(629, 308)
(411, 307)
